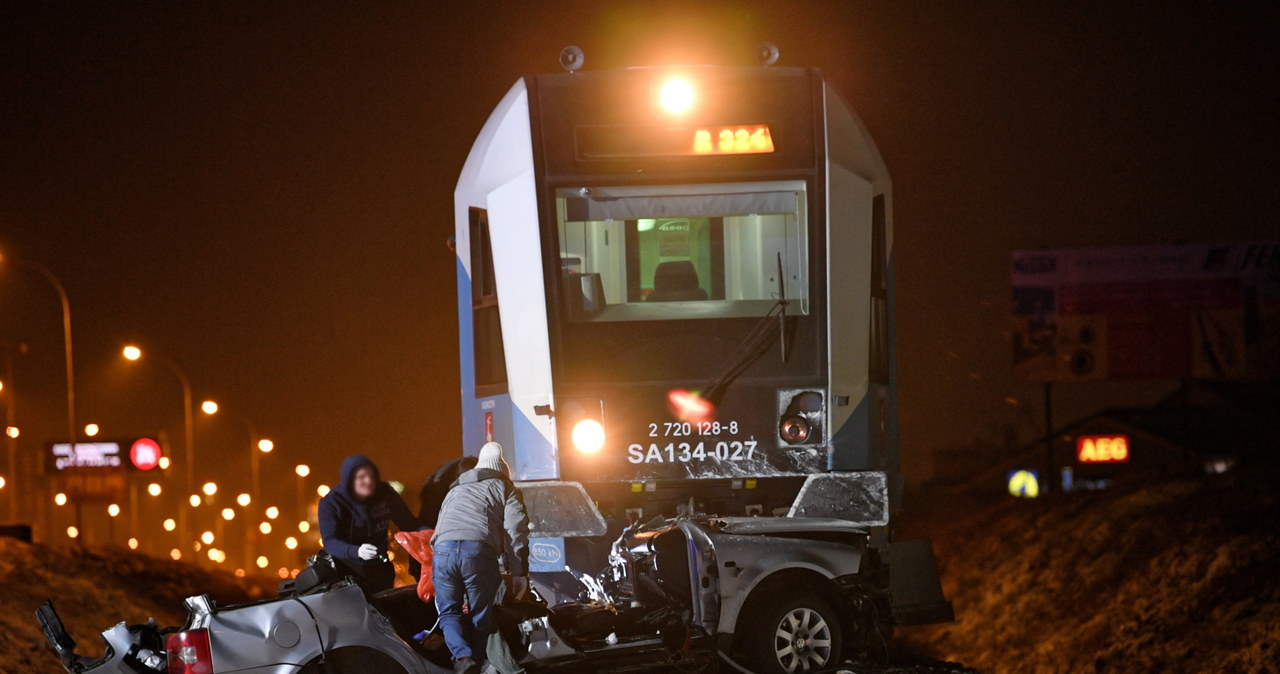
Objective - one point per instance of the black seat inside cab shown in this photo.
(676, 281)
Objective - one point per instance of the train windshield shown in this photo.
(668, 252)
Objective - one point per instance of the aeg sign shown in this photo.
(1102, 448)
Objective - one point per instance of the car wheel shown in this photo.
(795, 635)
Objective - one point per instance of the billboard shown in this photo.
(1198, 310)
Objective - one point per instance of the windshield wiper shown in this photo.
(756, 343)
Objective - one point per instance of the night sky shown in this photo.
(262, 191)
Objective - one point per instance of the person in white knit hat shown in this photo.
(482, 519)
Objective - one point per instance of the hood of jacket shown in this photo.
(349, 467)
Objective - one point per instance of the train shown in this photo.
(676, 297)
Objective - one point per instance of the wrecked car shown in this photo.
(755, 594)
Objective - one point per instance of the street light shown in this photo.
(265, 528)
(273, 512)
(304, 526)
(291, 542)
(170, 525)
(209, 407)
(13, 432)
(66, 344)
(302, 470)
(228, 514)
(60, 499)
(323, 490)
(210, 488)
(207, 538)
(265, 446)
(263, 561)
(154, 489)
(164, 463)
(243, 500)
(194, 501)
(113, 510)
(133, 353)
(91, 430)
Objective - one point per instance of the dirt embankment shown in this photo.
(1153, 575)
(93, 590)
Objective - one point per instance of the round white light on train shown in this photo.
(588, 436)
(676, 96)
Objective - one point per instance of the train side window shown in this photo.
(486, 326)
(879, 355)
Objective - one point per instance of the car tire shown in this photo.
(796, 634)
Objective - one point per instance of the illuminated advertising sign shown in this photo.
(1102, 448)
(1194, 310)
(87, 455)
(1024, 483)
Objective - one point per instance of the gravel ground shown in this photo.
(93, 590)
(1154, 575)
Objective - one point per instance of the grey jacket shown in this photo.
(484, 505)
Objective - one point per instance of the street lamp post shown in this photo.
(66, 343)
(134, 353)
(258, 446)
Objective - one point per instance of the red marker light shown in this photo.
(689, 406)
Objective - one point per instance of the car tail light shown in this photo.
(189, 652)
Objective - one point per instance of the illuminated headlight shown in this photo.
(794, 430)
(676, 96)
(588, 436)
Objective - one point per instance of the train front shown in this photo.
(676, 284)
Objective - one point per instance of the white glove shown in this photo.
(367, 551)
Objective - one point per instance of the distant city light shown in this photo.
(194, 501)
(291, 542)
(239, 573)
(265, 445)
(3, 482)
(273, 512)
(304, 526)
(209, 407)
(72, 532)
(302, 470)
(133, 353)
(164, 463)
(133, 544)
(170, 525)
(322, 490)
(207, 538)
(113, 510)
(91, 430)
(263, 561)
(60, 499)
(175, 554)
(243, 500)
(265, 528)
(12, 431)
(210, 488)
(154, 489)
(228, 514)
(283, 572)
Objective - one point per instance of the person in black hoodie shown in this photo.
(354, 517)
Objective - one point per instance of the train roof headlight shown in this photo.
(676, 96)
(588, 436)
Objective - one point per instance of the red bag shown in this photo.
(418, 544)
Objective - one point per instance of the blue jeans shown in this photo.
(465, 570)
